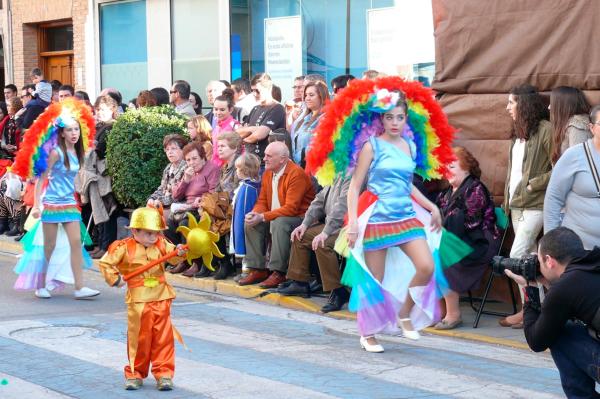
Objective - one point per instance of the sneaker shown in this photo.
(164, 384)
(133, 384)
(42, 293)
(85, 292)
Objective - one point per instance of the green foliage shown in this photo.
(135, 153)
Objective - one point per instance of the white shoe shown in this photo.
(410, 334)
(86, 292)
(42, 293)
(364, 343)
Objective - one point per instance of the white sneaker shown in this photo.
(373, 348)
(86, 292)
(42, 293)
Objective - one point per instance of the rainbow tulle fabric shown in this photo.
(42, 136)
(33, 270)
(349, 121)
(378, 303)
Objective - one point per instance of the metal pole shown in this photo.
(347, 37)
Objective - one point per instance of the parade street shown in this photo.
(62, 348)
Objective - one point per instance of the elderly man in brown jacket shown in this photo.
(285, 194)
(318, 232)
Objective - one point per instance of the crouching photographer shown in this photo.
(568, 322)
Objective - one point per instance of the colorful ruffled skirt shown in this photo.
(33, 270)
(60, 213)
(385, 235)
(378, 303)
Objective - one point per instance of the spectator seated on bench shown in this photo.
(318, 232)
(285, 194)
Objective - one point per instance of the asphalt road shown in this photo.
(63, 348)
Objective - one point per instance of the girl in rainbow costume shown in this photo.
(384, 130)
(52, 150)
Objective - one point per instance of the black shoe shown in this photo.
(285, 284)
(295, 288)
(204, 272)
(20, 237)
(225, 269)
(336, 301)
(14, 228)
(4, 225)
(315, 287)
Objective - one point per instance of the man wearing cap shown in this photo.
(149, 330)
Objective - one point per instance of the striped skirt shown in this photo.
(60, 213)
(384, 235)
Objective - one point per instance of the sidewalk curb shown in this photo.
(231, 288)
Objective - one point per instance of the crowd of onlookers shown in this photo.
(243, 163)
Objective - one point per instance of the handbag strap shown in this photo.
(588, 155)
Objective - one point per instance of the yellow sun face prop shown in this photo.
(201, 241)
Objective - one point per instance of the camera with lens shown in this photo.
(527, 266)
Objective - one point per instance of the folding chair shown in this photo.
(502, 222)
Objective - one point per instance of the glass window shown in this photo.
(59, 39)
(334, 34)
(123, 51)
(195, 41)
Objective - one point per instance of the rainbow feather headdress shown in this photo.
(354, 115)
(42, 137)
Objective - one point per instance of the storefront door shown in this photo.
(60, 67)
(56, 51)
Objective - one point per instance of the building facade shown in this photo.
(45, 33)
(138, 44)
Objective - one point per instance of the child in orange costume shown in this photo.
(149, 332)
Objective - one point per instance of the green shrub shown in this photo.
(135, 153)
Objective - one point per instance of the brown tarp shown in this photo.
(486, 47)
(490, 46)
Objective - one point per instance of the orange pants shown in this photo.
(155, 342)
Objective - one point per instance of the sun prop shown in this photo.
(201, 242)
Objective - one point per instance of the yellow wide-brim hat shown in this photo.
(148, 219)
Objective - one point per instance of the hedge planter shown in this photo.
(135, 153)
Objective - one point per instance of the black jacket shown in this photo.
(33, 109)
(102, 131)
(576, 295)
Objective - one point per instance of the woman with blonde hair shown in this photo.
(200, 130)
(316, 96)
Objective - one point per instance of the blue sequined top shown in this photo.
(390, 178)
(61, 187)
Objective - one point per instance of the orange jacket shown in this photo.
(295, 192)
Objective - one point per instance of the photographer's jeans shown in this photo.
(577, 357)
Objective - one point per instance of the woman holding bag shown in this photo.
(575, 188)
